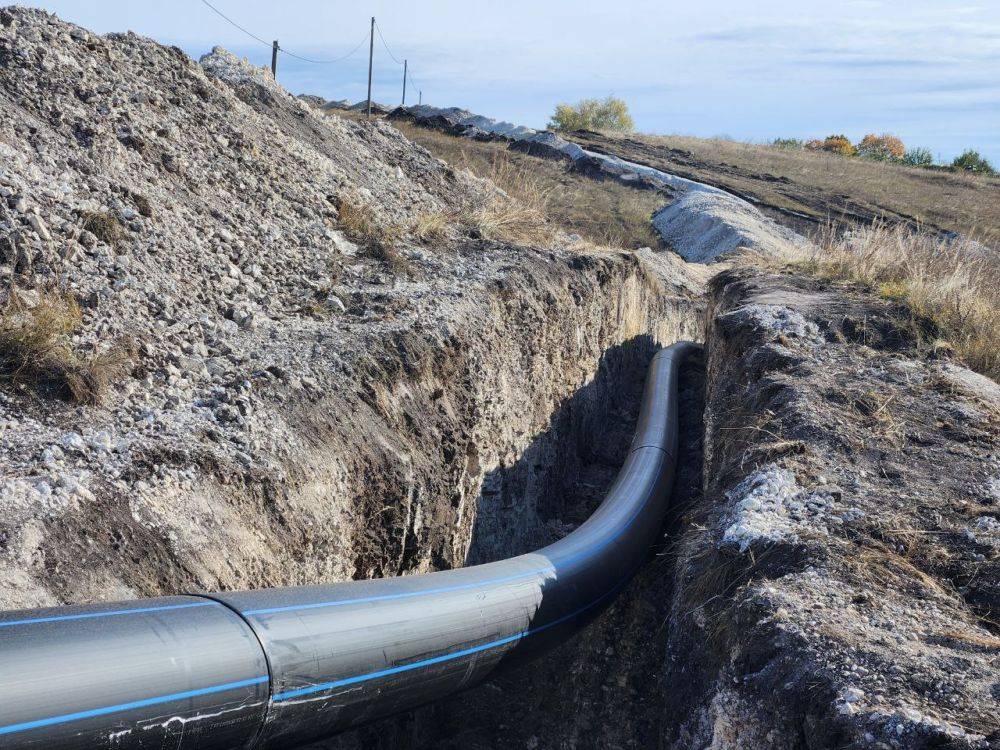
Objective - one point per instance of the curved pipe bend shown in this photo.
(281, 667)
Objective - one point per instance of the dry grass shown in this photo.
(358, 220)
(35, 351)
(879, 417)
(519, 214)
(981, 640)
(955, 284)
(432, 226)
(880, 568)
(604, 213)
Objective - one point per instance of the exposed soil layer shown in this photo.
(605, 688)
(839, 584)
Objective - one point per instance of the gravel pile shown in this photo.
(291, 319)
(197, 230)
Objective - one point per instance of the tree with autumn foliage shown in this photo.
(834, 144)
(883, 147)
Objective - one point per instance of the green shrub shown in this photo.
(972, 161)
(592, 114)
(918, 157)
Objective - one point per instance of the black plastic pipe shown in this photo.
(281, 667)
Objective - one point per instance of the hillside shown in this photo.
(809, 188)
(711, 220)
(806, 190)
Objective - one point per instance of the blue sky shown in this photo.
(926, 70)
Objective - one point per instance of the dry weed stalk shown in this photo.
(518, 212)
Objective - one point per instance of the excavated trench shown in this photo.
(603, 688)
(476, 403)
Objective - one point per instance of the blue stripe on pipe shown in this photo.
(24, 726)
(12, 728)
(109, 613)
(325, 686)
(457, 587)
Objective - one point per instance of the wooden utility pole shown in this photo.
(405, 63)
(371, 56)
(274, 59)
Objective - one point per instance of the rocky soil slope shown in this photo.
(284, 405)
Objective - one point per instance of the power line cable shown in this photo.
(409, 75)
(326, 62)
(230, 20)
(379, 30)
(282, 49)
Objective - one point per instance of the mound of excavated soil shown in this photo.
(704, 226)
(294, 407)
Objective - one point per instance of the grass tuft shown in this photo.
(103, 225)
(35, 351)
(517, 213)
(431, 226)
(358, 220)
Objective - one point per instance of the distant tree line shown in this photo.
(887, 147)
